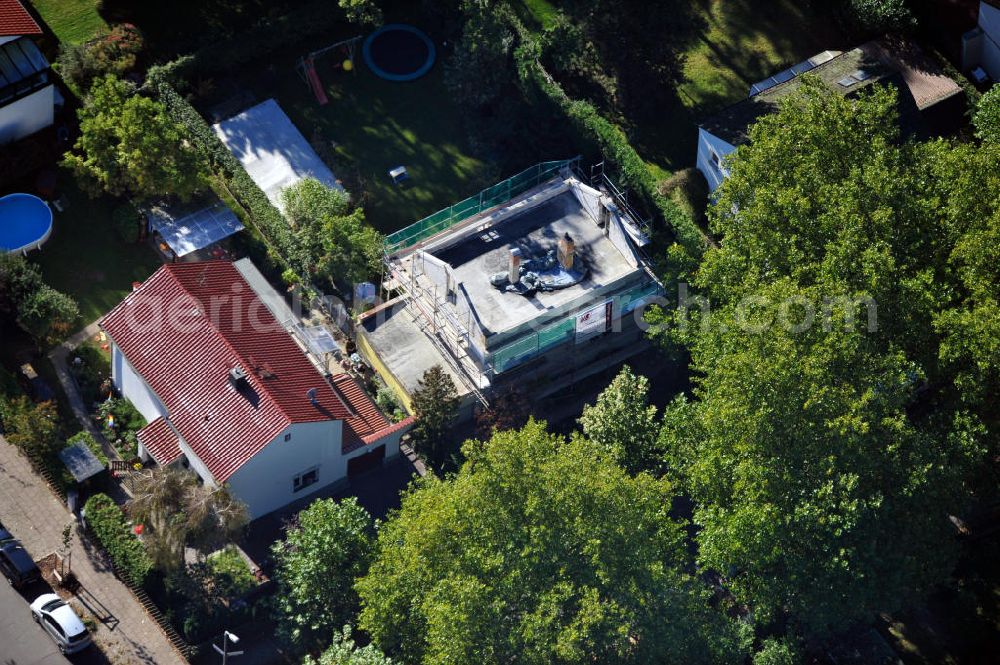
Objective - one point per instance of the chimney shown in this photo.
(567, 248)
(311, 394)
(605, 213)
(514, 271)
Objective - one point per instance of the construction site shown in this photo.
(533, 284)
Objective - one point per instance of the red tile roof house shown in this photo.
(230, 394)
(27, 94)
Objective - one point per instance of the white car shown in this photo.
(61, 622)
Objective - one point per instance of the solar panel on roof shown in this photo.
(847, 81)
(786, 75)
(802, 67)
(861, 75)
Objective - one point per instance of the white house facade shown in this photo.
(712, 153)
(981, 46)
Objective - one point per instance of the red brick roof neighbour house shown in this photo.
(186, 327)
(16, 21)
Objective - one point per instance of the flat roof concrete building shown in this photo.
(536, 285)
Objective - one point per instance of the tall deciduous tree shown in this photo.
(435, 404)
(539, 550)
(625, 423)
(128, 145)
(326, 549)
(828, 444)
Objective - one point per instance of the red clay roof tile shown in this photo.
(15, 20)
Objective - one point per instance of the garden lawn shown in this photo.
(73, 21)
(87, 258)
(376, 125)
(742, 42)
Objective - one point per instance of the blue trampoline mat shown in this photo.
(399, 52)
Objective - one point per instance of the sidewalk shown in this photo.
(29, 509)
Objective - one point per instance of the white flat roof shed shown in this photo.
(272, 150)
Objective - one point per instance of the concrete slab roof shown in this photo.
(535, 231)
(404, 348)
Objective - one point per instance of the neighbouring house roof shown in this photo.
(919, 79)
(187, 326)
(271, 149)
(160, 441)
(15, 20)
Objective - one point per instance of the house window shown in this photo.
(305, 479)
(288, 437)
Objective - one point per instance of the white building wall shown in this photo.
(27, 115)
(709, 144)
(128, 382)
(265, 482)
(989, 21)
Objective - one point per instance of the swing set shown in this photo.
(306, 66)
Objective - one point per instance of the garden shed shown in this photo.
(81, 462)
(272, 150)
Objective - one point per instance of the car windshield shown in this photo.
(52, 604)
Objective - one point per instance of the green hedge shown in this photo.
(112, 531)
(610, 140)
(283, 248)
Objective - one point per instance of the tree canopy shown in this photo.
(326, 548)
(827, 442)
(339, 246)
(128, 145)
(435, 404)
(625, 423)
(539, 550)
(43, 312)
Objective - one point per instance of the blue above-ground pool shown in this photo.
(25, 223)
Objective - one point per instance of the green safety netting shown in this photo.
(484, 200)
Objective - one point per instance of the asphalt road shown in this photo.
(22, 641)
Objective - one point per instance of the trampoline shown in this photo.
(398, 52)
(25, 223)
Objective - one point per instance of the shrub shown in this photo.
(127, 220)
(114, 52)
(609, 139)
(387, 403)
(987, 117)
(91, 373)
(127, 421)
(231, 576)
(688, 189)
(112, 531)
(881, 15)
